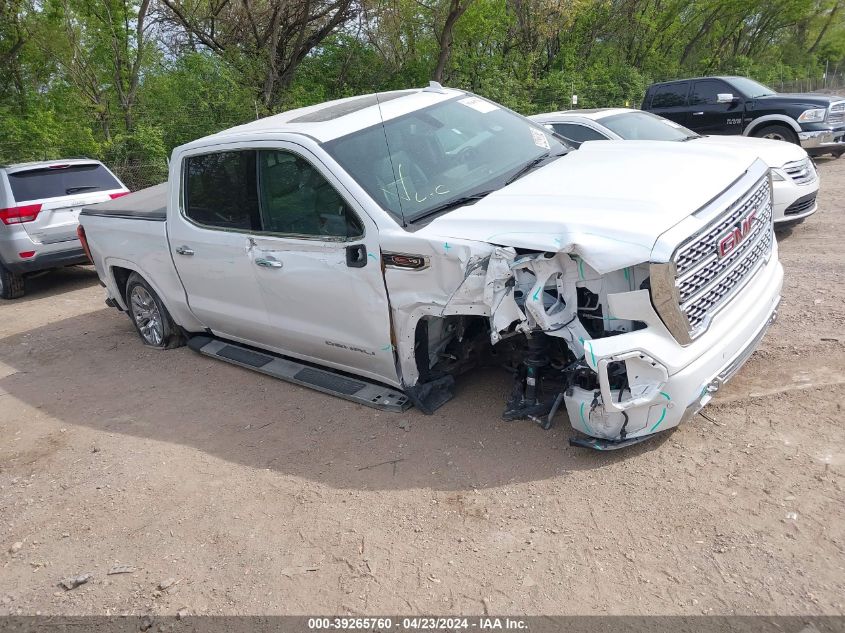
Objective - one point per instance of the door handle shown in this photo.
(268, 263)
(697, 113)
(184, 250)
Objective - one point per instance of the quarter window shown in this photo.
(220, 190)
(296, 199)
(670, 96)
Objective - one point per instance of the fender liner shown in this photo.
(771, 118)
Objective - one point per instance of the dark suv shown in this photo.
(738, 105)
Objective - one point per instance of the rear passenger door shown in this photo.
(670, 101)
(318, 264)
(707, 115)
(210, 242)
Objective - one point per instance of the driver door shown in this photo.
(707, 115)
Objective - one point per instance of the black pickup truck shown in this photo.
(738, 105)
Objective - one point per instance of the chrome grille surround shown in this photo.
(836, 112)
(801, 171)
(690, 282)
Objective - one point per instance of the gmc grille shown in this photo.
(710, 267)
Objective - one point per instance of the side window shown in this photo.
(670, 96)
(220, 190)
(577, 133)
(705, 92)
(296, 199)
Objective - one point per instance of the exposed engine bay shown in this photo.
(545, 310)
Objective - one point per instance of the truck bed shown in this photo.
(146, 204)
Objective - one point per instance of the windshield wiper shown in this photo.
(457, 202)
(70, 190)
(690, 137)
(532, 164)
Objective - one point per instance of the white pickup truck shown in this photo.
(379, 246)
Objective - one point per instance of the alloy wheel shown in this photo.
(147, 316)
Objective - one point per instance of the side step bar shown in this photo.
(355, 389)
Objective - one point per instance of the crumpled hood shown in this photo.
(607, 202)
(773, 153)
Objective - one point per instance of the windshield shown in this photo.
(751, 88)
(418, 163)
(644, 126)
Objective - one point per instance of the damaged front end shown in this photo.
(543, 317)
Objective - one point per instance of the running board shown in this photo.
(355, 389)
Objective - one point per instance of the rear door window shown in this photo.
(670, 95)
(578, 133)
(36, 184)
(221, 190)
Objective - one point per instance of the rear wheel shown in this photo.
(153, 322)
(11, 285)
(777, 133)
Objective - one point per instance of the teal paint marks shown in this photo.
(446, 246)
(666, 395)
(373, 256)
(627, 275)
(584, 420)
(387, 348)
(656, 424)
(592, 354)
(537, 294)
(580, 268)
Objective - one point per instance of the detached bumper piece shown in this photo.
(608, 445)
(355, 389)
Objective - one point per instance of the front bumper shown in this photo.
(793, 202)
(688, 376)
(822, 141)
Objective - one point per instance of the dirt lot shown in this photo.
(253, 496)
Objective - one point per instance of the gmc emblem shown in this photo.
(728, 242)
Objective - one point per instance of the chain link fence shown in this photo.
(139, 175)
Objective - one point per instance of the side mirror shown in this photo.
(725, 97)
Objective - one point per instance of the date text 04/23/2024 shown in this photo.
(422, 623)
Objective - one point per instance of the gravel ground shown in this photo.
(227, 492)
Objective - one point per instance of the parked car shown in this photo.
(39, 206)
(377, 247)
(795, 180)
(738, 105)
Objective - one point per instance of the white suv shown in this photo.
(39, 208)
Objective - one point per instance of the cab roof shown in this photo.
(333, 119)
(594, 114)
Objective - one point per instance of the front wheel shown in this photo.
(151, 319)
(11, 285)
(777, 133)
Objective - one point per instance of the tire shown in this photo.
(777, 133)
(11, 285)
(151, 319)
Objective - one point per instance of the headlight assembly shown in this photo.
(815, 115)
